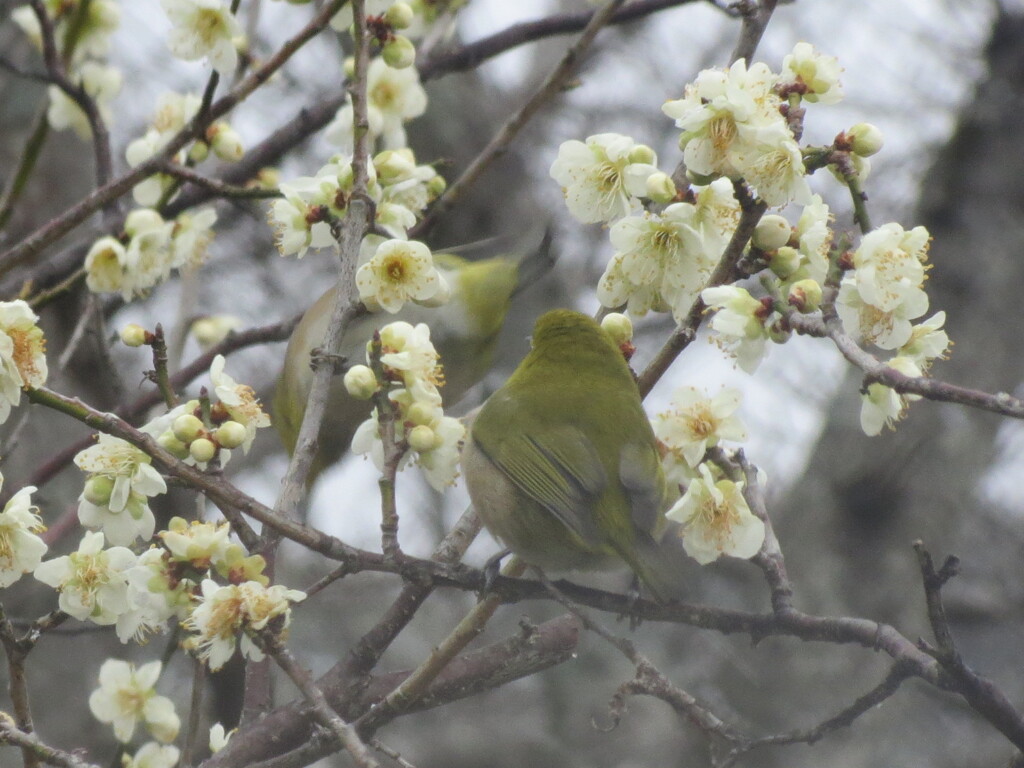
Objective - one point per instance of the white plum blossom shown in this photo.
(203, 29)
(224, 611)
(815, 75)
(886, 329)
(660, 262)
(399, 271)
(394, 97)
(882, 406)
(92, 581)
(219, 738)
(300, 217)
(121, 479)
(22, 354)
(725, 115)
(776, 171)
(127, 695)
(695, 422)
(440, 463)
(102, 18)
(408, 350)
(740, 321)
(153, 755)
(239, 400)
(156, 594)
(603, 178)
(889, 264)
(815, 240)
(927, 342)
(191, 235)
(21, 549)
(717, 520)
(99, 81)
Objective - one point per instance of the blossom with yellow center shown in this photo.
(21, 549)
(127, 695)
(694, 423)
(22, 354)
(92, 582)
(716, 520)
(399, 271)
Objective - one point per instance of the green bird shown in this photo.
(464, 331)
(562, 464)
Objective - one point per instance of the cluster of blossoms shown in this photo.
(139, 594)
(878, 299)
(22, 354)
(411, 377)
(392, 271)
(147, 251)
(126, 697)
(311, 206)
(121, 478)
(83, 29)
(715, 517)
(741, 126)
(173, 112)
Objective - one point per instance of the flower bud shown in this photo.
(785, 262)
(133, 335)
(393, 164)
(187, 427)
(422, 438)
(225, 141)
(98, 489)
(661, 188)
(805, 296)
(142, 220)
(399, 15)
(360, 382)
(436, 186)
(202, 450)
(771, 232)
(399, 52)
(213, 329)
(619, 327)
(421, 413)
(173, 445)
(350, 67)
(199, 151)
(779, 332)
(641, 153)
(268, 177)
(230, 434)
(865, 139)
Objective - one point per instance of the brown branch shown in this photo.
(56, 228)
(288, 728)
(9, 734)
(77, 93)
(755, 15)
(724, 273)
(829, 326)
(983, 696)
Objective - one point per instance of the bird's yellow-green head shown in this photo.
(464, 331)
(561, 463)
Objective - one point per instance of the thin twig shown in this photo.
(553, 84)
(56, 228)
(829, 326)
(344, 732)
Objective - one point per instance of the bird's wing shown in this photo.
(559, 468)
(644, 485)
